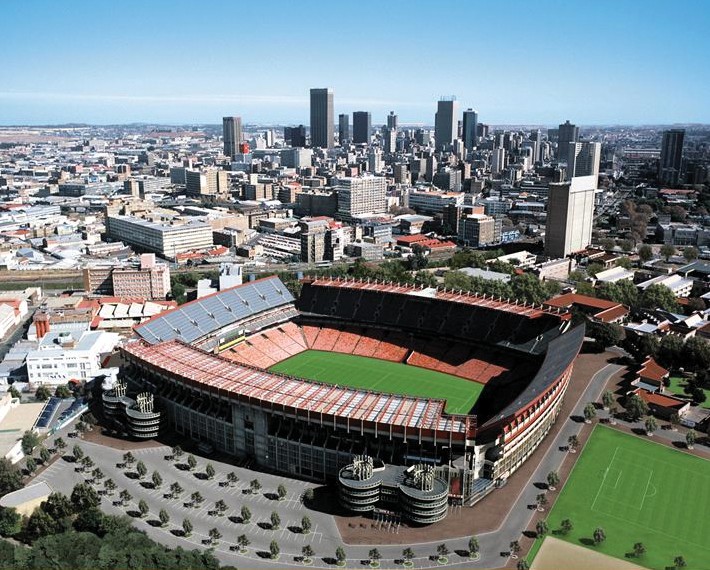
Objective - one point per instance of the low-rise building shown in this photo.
(680, 286)
(146, 280)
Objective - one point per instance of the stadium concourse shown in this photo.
(207, 364)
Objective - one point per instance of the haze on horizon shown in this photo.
(174, 62)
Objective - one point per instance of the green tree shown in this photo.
(457, 280)
(308, 495)
(541, 501)
(87, 463)
(196, 498)
(29, 441)
(541, 528)
(59, 444)
(690, 439)
(281, 492)
(594, 268)
(10, 477)
(110, 486)
(128, 459)
(305, 525)
(175, 490)
(528, 288)
(340, 556)
(522, 565)
(275, 520)
(599, 535)
(220, 506)
(639, 549)
(44, 455)
(636, 408)
(243, 542)
(125, 497)
(667, 251)
(308, 553)
(553, 479)
(58, 506)
(566, 527)
(157, 479)
(191, 462)
(274, 550)
(186, 527)
(659, 296)
(209, 471)
(670, 351)
(164, 517)
(590, 412)
(442, 550)
(473, 546)
(232, 478)
(14, 393)
(645, 253)
(407, 555)
(514, 548)
(245, 514)
(679, 562)
(608, 399)
(141, 469)
(30, 465)
(690, 253)
(143, 508)
(254, 486)
(214, 535)
(10, 522)
(375, 556)
(62, 391)
(77, 452)
(43, 394)
(38, 525)
(605, 334)
(650, 425)
(177, 452)
(84, 497)
(573, 442)
(97, 474)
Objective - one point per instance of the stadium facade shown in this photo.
(207, 361)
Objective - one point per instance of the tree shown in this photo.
(514, 548)
(254, 486)
(473, 546)
(214, 535)
(573, 442)
(690, 439)
(62, 391)
(522, 565)
(308, 495)
(599, 535)
(528, 288)
(125, 497)
(605, 334)
(196, 498)
(60, 444)
(650, 425)
(305, 525)
(110, 486)
(281, 492)
(164, 517)
(667, 250)
(191, 462)
(639, 549)
(175, 490)
(636, 408)
(407, 554)
(84, 497)
(97, 474)
(77, 452)
(374, 556)
(220, 506)
(590, 412)
(553, 480)
(541, 500)
(443, 551)
(594, 268)
(128, 459)
(245, 514)
(541, 528)
(29, 441)
(274, 550)
(608, 399)
(141, 469)
(690, 253)
(10, 477)
(679, 562)
(143, 508)
(308, 553)
(566, 526)
(31, 465)
(15, 393)
(58, 506)
(659, 296)
(645, 253)
(186, 527)
(209, 471)
(157, 480)
(43, 394)
(10, 522)
(275, 520)
(44, 455)
(340, 556)
(39, 524)
(87, 463)
(243, 542)
(177, 452)
(232, 478)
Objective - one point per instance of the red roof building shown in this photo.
(599, 309)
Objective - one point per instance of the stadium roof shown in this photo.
(226, 377)
(201, 317)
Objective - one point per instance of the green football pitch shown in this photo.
(638, 491)
(382, 376)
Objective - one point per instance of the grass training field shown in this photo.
(382, 376)
(638, 491)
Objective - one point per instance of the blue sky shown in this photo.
(515, 61)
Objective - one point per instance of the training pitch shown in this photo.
(382, 376)
(638, 491)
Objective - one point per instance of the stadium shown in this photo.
(460, 387)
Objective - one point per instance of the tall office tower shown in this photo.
(361, 195)
(567, 133)
(583, 159)
(497, 160)
(537, 137)
(295, 136)
(343, 128)
(470, 126)
(390, 139)
(362, 123)
(671, 156)
(446, 122)
(392, 121)
(232, 134)
(570, 216)
(322, 118)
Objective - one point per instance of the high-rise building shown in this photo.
(211, 182)
(498, 161)
(322, 118)
(669, 167)
(295, 136)
(583, 159)
(446, 122)
(570, 216)
(389, 136)
(470, 127)
(232, 135)
(362, 124)
(361, 195)
(567, 133)
(343, 128)
(476, 230)
(392, 121)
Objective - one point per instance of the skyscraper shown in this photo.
(361, 195)
(470, 126)
(232, 134)
(583, 159)
(322, 118)
(570, 216)
(343, 128)
(392, 121)
(362, 123)
(446, 122)
(671, 156)
(567, 133)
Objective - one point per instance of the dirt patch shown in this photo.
(555, 554)
(488, 514)
(96, 436)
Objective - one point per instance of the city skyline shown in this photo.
(606, 64)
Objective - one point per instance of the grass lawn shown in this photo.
(382, 376)
(676, 386)
(638, 491)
